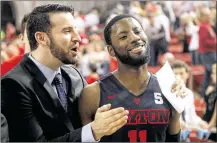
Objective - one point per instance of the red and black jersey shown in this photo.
(149, 113)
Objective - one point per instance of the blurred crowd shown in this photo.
(174, 29)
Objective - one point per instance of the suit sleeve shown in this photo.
(17, 106)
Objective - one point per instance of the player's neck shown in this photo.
(132, 71)
(137, 76)
(135, 80)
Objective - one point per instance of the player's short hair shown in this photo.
(39, 20)
(108, 27)
(180, 64)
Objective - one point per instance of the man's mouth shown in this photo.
(137, 48)
(75, 49)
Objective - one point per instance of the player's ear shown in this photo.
(111, 50)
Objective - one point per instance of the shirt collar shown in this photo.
(47, 72)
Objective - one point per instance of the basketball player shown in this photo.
(151, 117)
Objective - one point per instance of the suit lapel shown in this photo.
(34, 70)
(70, 88)
(73, 110)
(38, 75)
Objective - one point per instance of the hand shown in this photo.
(179, 87)
(183, 125)
(204, 125)
(209, 90)
(210, 126)
(108, 121)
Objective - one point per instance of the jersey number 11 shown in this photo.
(132, 135)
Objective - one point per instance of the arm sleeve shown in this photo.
(87, 134)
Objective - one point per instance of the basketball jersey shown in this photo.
(149, 113)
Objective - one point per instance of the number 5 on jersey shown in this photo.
(158, 98)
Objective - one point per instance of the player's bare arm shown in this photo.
(104, 121)
(89, 102)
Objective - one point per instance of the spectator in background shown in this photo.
(11, 48)
(92, 18)
(189, 116)
(10, 32)
(182, 31)
(93, 76)
(168, 57)
(168, 10)
(11, 63)
(23, 34)
(207, 46)
(211, 106)
(79, 21)
(157, 39)
(100, 57)
(192, 32)
(164, 20)
(4, 54)
(135, 8)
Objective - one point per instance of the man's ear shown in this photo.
(111, 50)
(42, 38)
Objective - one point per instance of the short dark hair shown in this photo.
(24, 22)
(108, 30)
(180, 64)
(39, 20)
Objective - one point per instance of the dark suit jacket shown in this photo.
(32, 108)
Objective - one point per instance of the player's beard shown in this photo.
(134, 61)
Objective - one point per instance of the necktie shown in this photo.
(60, 90)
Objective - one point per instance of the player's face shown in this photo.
(64, 39)
(182, 73)
(129, 42)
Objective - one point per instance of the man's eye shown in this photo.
(137, 32)
(123, 37)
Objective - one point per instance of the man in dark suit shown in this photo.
(40, 95)
(4, 129)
